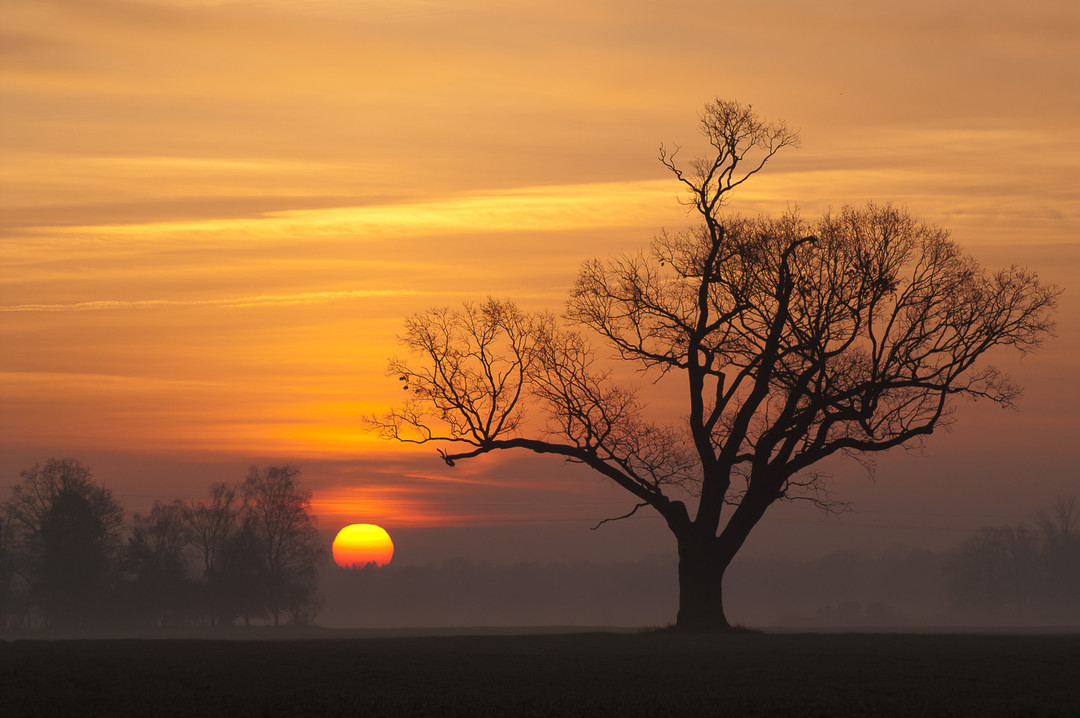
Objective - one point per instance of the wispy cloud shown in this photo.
(261, 300)
(550, 207)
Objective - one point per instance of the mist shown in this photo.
(901, 589)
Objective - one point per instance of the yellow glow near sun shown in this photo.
(358, 545)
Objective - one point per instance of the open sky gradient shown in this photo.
(214, 216)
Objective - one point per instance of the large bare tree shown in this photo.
(792, 341)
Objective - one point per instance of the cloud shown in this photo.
(264, 300)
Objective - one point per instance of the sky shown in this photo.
(215, 215)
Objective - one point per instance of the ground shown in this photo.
(582, 674)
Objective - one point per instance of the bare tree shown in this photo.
(156, 557)
(7, 570)
(212, 527)
(1059, 526)
(279, 515)
(791, 341)
(211, 524)
(65, 531)
(1021, 572)
(1061, 521)
(241, 585)
(996, 569)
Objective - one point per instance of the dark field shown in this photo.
(590, 674)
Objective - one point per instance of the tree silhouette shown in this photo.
(1022, 572)
(242, 586)
(279, 515)
(65, 532)
(791, 341)
(211, 524)
(7, 570)
(1059, 526)
(155, 556)
(996, 569)
(211, 527)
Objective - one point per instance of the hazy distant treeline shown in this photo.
(1011, 575)
(462, 592)
(1029, 579)
(1022, 570)
(900, 588)
(68, 561)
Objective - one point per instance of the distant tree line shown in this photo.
(1024, 572)
(462, 592)
(247, 553)
(980, 582)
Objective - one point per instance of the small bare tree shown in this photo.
(1059, 529)
(210, 525)
(792, 341)
(278, 512)
(156, 557)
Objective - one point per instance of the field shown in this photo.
(583, 674)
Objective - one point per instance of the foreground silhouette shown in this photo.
(792, 340)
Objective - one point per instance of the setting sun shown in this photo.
(361, 544)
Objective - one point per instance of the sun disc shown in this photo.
(359, 545)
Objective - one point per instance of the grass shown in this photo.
(590, 674)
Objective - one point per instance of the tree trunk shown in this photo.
(701, 575)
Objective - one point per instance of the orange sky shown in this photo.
(214, 215)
